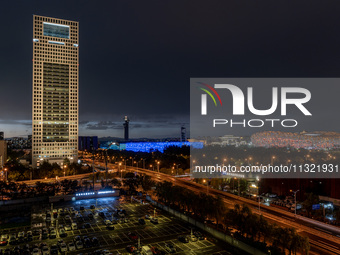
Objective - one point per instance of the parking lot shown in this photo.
(106, 214)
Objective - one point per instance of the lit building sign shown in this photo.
(56, 30)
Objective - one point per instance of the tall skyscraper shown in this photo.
(3, 153)
(55, 90)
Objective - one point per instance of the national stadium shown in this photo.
(319, 140)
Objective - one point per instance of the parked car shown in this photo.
(4, 240)
(110, 227)
(62, 232)
(156, 251)
(74, 226)
(169, 247)
(53, 234)
(87, 243)
(12, 239)
(79, 245)
(192, 238)
(29, 236)
(154, 220)
(36, 232)
(183, 239)
(131, 248)
(21, 237)
(95, 242)
(141, 221)
(68, 227)
(76, 239)
(87, 225)
(71, 246)
(54, 249)
(36, 251)
(45, 250)
(44, 234)
(199, 235)
(132, 235)
(63, 247)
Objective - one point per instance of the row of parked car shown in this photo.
(78, 243)
(13, 238)
(288, 203)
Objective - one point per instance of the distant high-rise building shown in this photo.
(126, 128)
(2, 136)
(88, 143)
(55, 90)
(183, 134)
(3, 152)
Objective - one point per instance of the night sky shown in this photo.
(137, 57)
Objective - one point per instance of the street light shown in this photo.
(119, 169)
(272, 160)
(6, 173)
(295, 199)
(204, 181)
(158, 166)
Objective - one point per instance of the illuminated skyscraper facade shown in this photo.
(55, 90)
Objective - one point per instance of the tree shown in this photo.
(311, 199)
(115, 182)
(130, 180)
(219, 208)
(66, 161)
(146, 182)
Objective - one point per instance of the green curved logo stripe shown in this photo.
(206, 91)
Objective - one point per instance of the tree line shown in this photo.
(251, 228)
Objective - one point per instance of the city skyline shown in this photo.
(138, 62)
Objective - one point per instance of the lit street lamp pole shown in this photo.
(6, 173)
(121, 172)
(295, 199)
(272, 160)
(204, 181)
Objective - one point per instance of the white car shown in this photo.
(68, 228)
(74, 226)
(79, 245)
(53, 234)
(192, 238)
(107, 222)
(21, 234)
(71, 246)
(62, 232)
(63, 247)
(4, 236)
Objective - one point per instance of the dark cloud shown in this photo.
(136, 57)
(103, 125)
